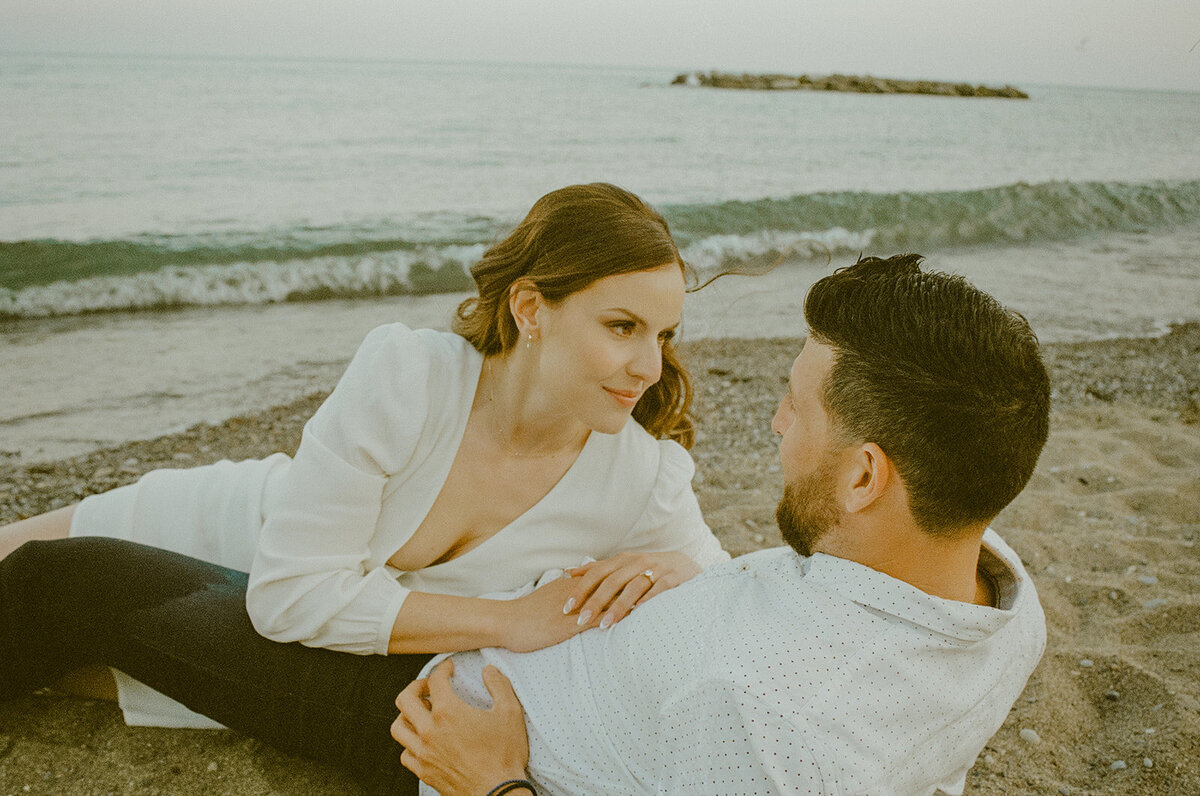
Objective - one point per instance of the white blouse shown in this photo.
(373, 459)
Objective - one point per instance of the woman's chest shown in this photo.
(481, 496)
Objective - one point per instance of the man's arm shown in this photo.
(458, 749)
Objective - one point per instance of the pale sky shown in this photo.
(1123, 43)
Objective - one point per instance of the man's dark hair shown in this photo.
(938, 374)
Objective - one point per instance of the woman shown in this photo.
(448, 466)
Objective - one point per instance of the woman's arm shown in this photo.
(446, 623)
(315, 578)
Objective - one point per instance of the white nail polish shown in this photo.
(607, 621)
(570, 604)
(585, 616)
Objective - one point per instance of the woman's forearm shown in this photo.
(446, 623)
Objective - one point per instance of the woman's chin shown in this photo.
(610, 425)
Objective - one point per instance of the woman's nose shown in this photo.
(647, 365)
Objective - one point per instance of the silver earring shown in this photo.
(529, 342)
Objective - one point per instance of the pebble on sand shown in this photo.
(1117, 765)
(1030, 736)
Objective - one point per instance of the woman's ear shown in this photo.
(870, 472)
(524, 301)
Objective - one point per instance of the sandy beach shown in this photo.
(1107, 528)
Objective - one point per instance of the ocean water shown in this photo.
(183, 239)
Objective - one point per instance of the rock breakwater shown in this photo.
(861, 84)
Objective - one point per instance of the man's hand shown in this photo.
(454, 747)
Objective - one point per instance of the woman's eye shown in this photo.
(623, 328)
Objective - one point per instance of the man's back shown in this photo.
(777, 673)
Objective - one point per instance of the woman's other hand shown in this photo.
(604, 592)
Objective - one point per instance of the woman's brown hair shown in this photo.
(571, 238)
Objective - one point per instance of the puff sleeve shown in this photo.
(310, 580)
(671, 519)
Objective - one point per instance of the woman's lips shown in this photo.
(626, 398)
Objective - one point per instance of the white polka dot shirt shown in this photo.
(774, 674)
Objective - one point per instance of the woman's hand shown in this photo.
(537, 619)
(606, 591)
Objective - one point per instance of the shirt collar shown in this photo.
(893, 597)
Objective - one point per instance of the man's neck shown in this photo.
(943, 567)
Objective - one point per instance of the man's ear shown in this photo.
(524, 300)
(870, 471)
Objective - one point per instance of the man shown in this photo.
(876, 655)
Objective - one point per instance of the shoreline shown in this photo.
(1107, 529)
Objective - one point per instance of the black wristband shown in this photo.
(511, 785)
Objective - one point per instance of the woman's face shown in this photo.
(601, 348)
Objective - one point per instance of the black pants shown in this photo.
(180, 626)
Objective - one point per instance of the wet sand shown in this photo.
(1107, 527)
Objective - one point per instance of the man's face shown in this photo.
(808, 453)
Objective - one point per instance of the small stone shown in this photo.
(1031, 699)
(1112, 595)
(1151, 605)
(1086, 663)
(1150, 730)
(1111, 694)
(1118, 765)
(212, 766)
(1147, 762)
(1147, 580)
(1030, 736)
(988, 759)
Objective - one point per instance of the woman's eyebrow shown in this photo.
(633, 316)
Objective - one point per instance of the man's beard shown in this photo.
(808, 509)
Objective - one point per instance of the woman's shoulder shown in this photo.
(650, 460)
(403, 341)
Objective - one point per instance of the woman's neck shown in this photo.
(522, 418)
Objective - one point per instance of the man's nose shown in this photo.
(777, 422)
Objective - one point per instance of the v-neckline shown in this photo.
(460, 437)
(523, 516)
